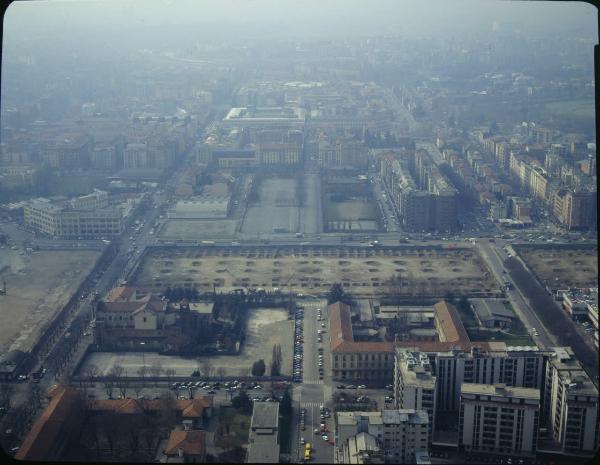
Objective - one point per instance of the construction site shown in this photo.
(363, 271)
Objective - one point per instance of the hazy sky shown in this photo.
(320, 17)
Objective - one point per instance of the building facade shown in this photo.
(497, 419)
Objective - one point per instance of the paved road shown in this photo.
(313, 392)
(492, 253)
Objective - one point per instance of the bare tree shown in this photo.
(206, 368)
(169, 373)
(92, 372)
(156, 369)
(6, 392)
(141, 372)
(36, 395)
(137, 388)
(109, 386)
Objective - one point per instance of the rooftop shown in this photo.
(265, 415)
(500, 390)
(190, 442)
(397, 416)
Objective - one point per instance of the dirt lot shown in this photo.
(266, 327)
(39, 284)
(355, 215)
(561, 268)
(198, 229)
(363, 270)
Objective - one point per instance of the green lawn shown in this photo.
(237, 423)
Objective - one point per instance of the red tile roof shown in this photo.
(341, 337)
(189, 408)
(450, 323)
(192, 442)
(454, 333)
(50, 425)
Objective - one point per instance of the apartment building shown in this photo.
(425, 202)
(401, 434)
(570, 404)
(498, 419)
(414, 384)
(519, 367)
(575, 209)
(360, 449)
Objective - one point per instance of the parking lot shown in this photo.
(362, 270)
(563, 267)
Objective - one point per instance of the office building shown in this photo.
(87, 217)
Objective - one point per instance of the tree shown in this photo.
(285, 405)
(109, 386)
(206, 368)
(156, 369)
(6, 392)
(337, 294)
(242, 402)
(141, 372)
(276, 360)
(259, 368)
(92, 372)
(169, 373)
(221, 372)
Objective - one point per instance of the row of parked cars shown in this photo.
(298, 341)
(205, 385)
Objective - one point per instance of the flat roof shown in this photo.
(490, 308)
(265, 415)
(500, 390)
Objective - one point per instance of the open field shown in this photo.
(560, 268)
(572, 108)
(276, 209)
(350, 215)
(265, 327)
(39, 285)
(362, 270)
(198, 229)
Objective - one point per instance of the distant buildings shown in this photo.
(425, 201)
(89, 217)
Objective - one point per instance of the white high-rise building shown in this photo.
(498, 419)
(414, 385)
(571, 404)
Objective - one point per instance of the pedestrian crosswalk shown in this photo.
(312, 381)
(311, 404)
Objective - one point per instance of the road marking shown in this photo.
(313, 381)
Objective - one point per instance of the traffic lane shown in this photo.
(518, 301)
